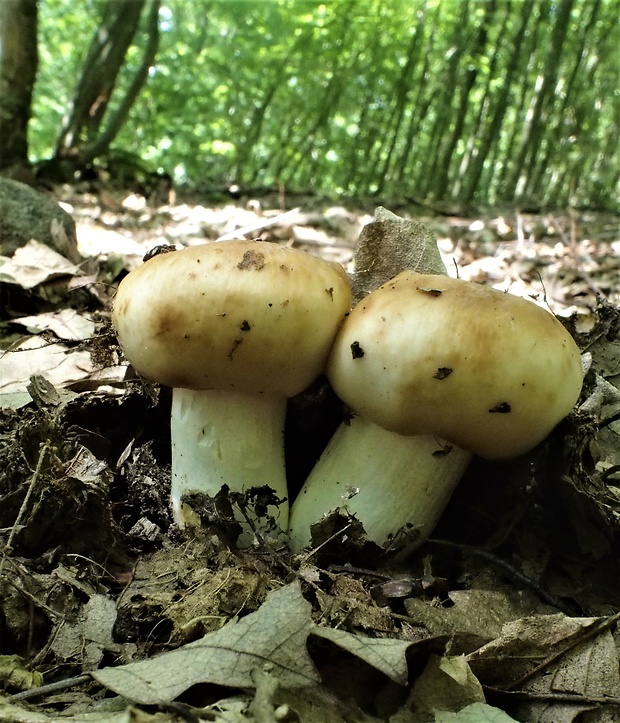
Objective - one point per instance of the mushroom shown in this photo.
(235, 328)
(434, 369)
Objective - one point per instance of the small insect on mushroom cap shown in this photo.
(238, 315)
(483, 369)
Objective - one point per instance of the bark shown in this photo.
(444, 105)
(18, 69)
(441, 185)
(534, 126)
(491, 134)
(103, 63)
(402, 90)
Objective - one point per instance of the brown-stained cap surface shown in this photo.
(488, 371)
(244, 315)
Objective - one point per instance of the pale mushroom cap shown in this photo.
(244, 315)
(485, 370)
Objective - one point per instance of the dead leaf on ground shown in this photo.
(445, 684)
(551, 655)
(474, 713)
(272, 638)
(66, 324)
(386, 655)
(275, 636)
(33, 264)
(60, 365)
(478, 612)
(90, 635)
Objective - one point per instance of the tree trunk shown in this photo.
(492, 132)
(81, 130)
(445, 100)
(557, 151)
(18, 69)
(116, 122)
(402, 89)
(476, 130)
(442, 182)
(533, 126)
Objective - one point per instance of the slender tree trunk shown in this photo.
(420, 106)
(531, 137)
(444, 103)
(527, 61)
(401, 91)
(441, 183)
(477, 127)
(356, 151)
(323, 113)
(277, 81)
(116, 122)
(105, 58)
(18, 70)
(555, 150)
(491, 133)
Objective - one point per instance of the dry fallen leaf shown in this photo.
(474, 713)
(14, 673)
(390, 244)
(67, 324)
(445, 684)
(60, 365)
(274, 636)
(33, 264)
(550, 656)
(386, 655)
(90, 635)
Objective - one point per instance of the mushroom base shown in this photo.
(391, 483)
(227, 438)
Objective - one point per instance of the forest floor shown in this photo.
(510, 612)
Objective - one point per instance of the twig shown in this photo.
(556, 697)
(358, 571)
(33, 598)
(588, 633)
(51, 688)
(24, 506)
(314, 550)
(511, 570)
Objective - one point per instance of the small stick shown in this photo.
(511, 570)
(24, 506)
(51, 688)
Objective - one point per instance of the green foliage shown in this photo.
(475, 100)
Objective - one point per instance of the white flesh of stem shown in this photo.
(222, 437)
(385, 479)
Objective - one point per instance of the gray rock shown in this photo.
(28, 214)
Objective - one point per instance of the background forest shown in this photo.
(469, 101)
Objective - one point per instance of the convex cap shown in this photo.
(483, 369)
(241, 315)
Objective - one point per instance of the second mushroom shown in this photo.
(434, 370)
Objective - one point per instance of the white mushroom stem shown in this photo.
(391, 483)
(225, 437)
